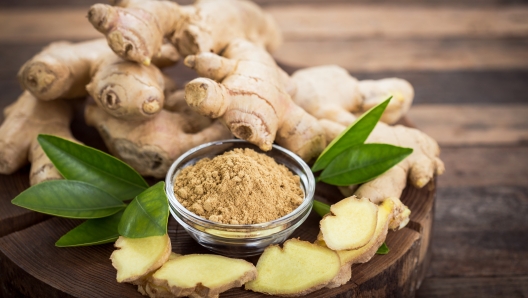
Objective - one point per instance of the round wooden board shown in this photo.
(32, 266)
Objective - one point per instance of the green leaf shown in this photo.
(66, 198)
(354, 135)
(383, 249)
(362, 163)
(147, 214)
(92, 232)
(82, 163)
(321, 208)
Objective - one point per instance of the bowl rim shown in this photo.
(309, 191)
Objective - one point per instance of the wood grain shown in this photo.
(14, 218)
(346, 21)
(337, 21)
(357, 37)
(512, 286)
(408, 54)
(461, 125)
(480, 232)
(484, 166)
(30, 257)
(265, 3)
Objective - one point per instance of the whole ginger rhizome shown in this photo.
(239, 187)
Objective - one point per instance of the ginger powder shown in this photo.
(239, 187)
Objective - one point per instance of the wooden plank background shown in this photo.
(468, 62)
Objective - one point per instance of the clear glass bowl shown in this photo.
(240, 240)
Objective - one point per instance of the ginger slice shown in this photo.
(202, 275)
(136, 258)
(365, 253)
(350, 225)
(299, 268)
(147, 289)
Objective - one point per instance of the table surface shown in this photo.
(468, 63)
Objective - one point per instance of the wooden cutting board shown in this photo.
(32, 266)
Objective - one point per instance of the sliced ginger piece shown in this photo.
(202, 275)
(350, 224)
(148, 289)
(298, 268)
(365, 253)
(135, 258)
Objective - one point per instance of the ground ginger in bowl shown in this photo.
(235, 199)
(239, 187)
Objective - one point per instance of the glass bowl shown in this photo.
(240, 240)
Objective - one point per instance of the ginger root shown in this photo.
(419, 167)
(329, 92)
(350, 224)
(124, 89)
(151, 146)
(198, 275)
(251, 99)
(24, 121)
(134, 259)
(135, 30)
(297, 269)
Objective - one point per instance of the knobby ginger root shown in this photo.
(204, 275)
(24, 121)
(419, 167)
(251, 99)
(68, 70)
(135, 258)
(297, 269)
(151, 146)
(136, 29)
(329, 92)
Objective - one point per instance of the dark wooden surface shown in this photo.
(32, 266)
(468, 63)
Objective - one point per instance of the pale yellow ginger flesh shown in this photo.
(202, 275)
(248, 91)
(24, 120)
(329, 92)
(147, 289)
(65, 70)
(135, 30)
(350, 224)
(135, 258)
(419, 167)
(297, 269)
(151, 146)
(365, 253)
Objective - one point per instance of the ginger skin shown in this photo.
(419, 167)
(135, 29)
(151, 146)
(247, 90)
(345, 97)
(24, 121)
(124, 89)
